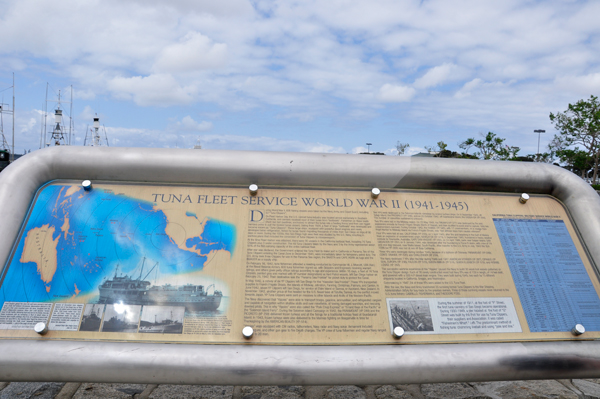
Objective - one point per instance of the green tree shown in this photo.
(490, 147)
(580, 124)
(465, 145)
(554, 146)
(544, 157)
(439, 148)
(443, 152)
(576, 160)
(508, 153)
(401, 147)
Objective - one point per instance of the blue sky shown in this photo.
(319, 76)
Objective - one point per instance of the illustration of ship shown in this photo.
(91, 322)
(166, 326)
(116, 324)
(124, 289)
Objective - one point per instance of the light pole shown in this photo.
(539, 132)
(369, 148)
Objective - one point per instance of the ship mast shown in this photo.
(142, 269)
(59, 135)
(3, 143)
(95, 140)
(4, 109)
(147, 274)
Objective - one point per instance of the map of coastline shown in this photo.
(74, 239)
(40, 249)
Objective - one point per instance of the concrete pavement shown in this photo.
(550, 389)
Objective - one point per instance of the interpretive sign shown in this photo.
(166, 263)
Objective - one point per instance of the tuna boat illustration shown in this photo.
(166, 326)
(92, 321)
(116, 324)
(124, 289)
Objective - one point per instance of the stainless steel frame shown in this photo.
(44, 360)
(294, 365)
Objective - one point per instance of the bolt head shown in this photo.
(253, 189)
(578, 329)
(398, 332)
(524, 198)
(375, 192)
(247, 332)
(87, 185)
(41, 328)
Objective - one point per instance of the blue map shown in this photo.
(73, 239)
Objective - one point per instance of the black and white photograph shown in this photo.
(411, 315)
(121, 318)
(162, 319)
(92, 317)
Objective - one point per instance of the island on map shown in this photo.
(40, 248)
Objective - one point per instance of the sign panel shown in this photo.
(164, 263)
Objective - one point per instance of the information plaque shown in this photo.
(196, 264)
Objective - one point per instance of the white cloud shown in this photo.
(394, 93)
(84, 94)
(172, 137)
(502, 65)
(392, 152)
(27, 130)
(12, 64)
(28, 125)
(264, 143)
(436, 76)
(300, 116)
(467, 88)
(194, 52)
(189, 124)
(584, 85)
(410, 151)
(87, 114)
(222, 8)
(159, 89)
(273, 90)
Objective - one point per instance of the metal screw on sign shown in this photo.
(87, 185)
(578, 329)
(398, 332)
(375, 192)
(253, 189)
(247, 332)
(41, 328)
(524, 198)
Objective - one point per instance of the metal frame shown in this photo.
(46, 360)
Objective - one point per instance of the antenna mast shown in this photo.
(44, 117)
(4, 109)
(71, 116)
(12, 153)
(59, 134)
(96, 128)
(96, 139)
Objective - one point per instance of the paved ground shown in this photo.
(551, 389)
